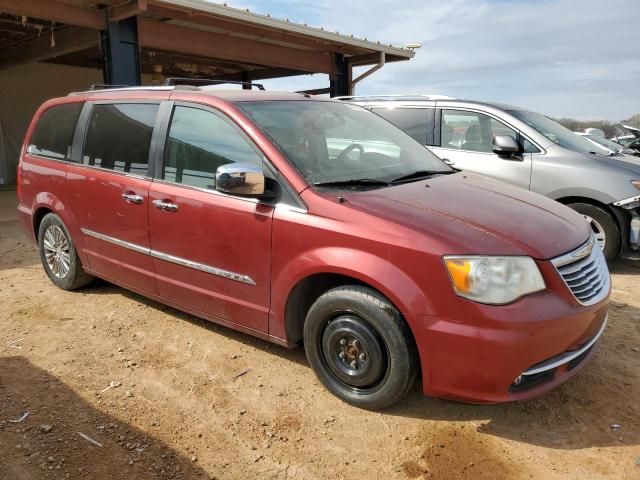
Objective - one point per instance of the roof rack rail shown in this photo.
(397, 97)
(105, 86)
(203, 82)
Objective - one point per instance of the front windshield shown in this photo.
(331, 142)
(608, 144)
(554, 131)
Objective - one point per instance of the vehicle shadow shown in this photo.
(102, 287)
(575, 415)
(47, 442)
(625, 267)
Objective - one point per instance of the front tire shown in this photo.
(604, 227)
(360, 348)
(59, 256)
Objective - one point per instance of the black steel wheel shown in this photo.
(360, 347)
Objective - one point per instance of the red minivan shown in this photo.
(301, 219)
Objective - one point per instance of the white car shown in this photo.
(606, 146)
(625, 140)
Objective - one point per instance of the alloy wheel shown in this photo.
(598, 231)
(56, 251)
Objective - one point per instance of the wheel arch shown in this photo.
(615, 213)
(292, 298)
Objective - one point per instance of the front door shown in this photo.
(212, 251)
(466, 142)
(110, 192)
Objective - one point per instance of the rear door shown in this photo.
(211, 251)
(464, 140)
(110, 190)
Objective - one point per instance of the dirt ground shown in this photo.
(182, 411)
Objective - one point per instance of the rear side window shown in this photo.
(412, 120)
(53, 134)
(119, 137)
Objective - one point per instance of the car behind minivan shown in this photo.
(306, 220)
(531, 151)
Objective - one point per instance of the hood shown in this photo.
(471, 214)
(626, 161)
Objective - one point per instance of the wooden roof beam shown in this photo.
(174, 38)
(130, 9)
(67, 40)
(54, 11)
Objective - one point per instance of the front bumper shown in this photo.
(480, 362)
(630, 219)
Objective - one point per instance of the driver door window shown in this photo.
(471, 131)
(198, 143)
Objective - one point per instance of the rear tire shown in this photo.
(59, 256)
(360, 348)
(604, 227)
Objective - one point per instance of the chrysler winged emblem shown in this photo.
(586, 250)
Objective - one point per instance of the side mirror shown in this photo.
(505, 145)
(240, 179)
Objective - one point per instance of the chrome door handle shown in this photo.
(448, 161)
(131, 197)
(165, 205)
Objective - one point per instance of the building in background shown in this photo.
(51, 47)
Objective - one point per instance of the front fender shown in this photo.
(373, 270)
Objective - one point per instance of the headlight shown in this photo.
(636, 183)
(493, 280)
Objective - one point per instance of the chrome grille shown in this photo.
(585, 272)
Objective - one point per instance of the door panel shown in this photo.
(110, 191)
(115, 230)
(211, 251)
(466, 140)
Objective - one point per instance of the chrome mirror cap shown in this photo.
(240, 179)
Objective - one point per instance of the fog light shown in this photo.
(517, 380)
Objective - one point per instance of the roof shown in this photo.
(284, 25)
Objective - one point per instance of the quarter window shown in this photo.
(53, 134)
(412, 120)
(471, 131)
(119, 137)
(198, 143)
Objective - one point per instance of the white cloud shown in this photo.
(561, 57)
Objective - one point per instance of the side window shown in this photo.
(412, 120)
(198, 143)
(53, 134)
(119, 137)
(471, 131)
(529, 147)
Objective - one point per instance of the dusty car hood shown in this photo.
(472, 214)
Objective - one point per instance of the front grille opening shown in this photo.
(531, 381)
(578, 360)
(587, 278)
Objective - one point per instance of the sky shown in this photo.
(563, 58)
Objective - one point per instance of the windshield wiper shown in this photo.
(421, 174)
(366, 182)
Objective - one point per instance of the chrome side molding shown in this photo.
(171, 258)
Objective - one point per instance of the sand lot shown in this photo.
(180, 411)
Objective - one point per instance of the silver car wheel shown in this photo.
(598, 231)
(56, 251)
